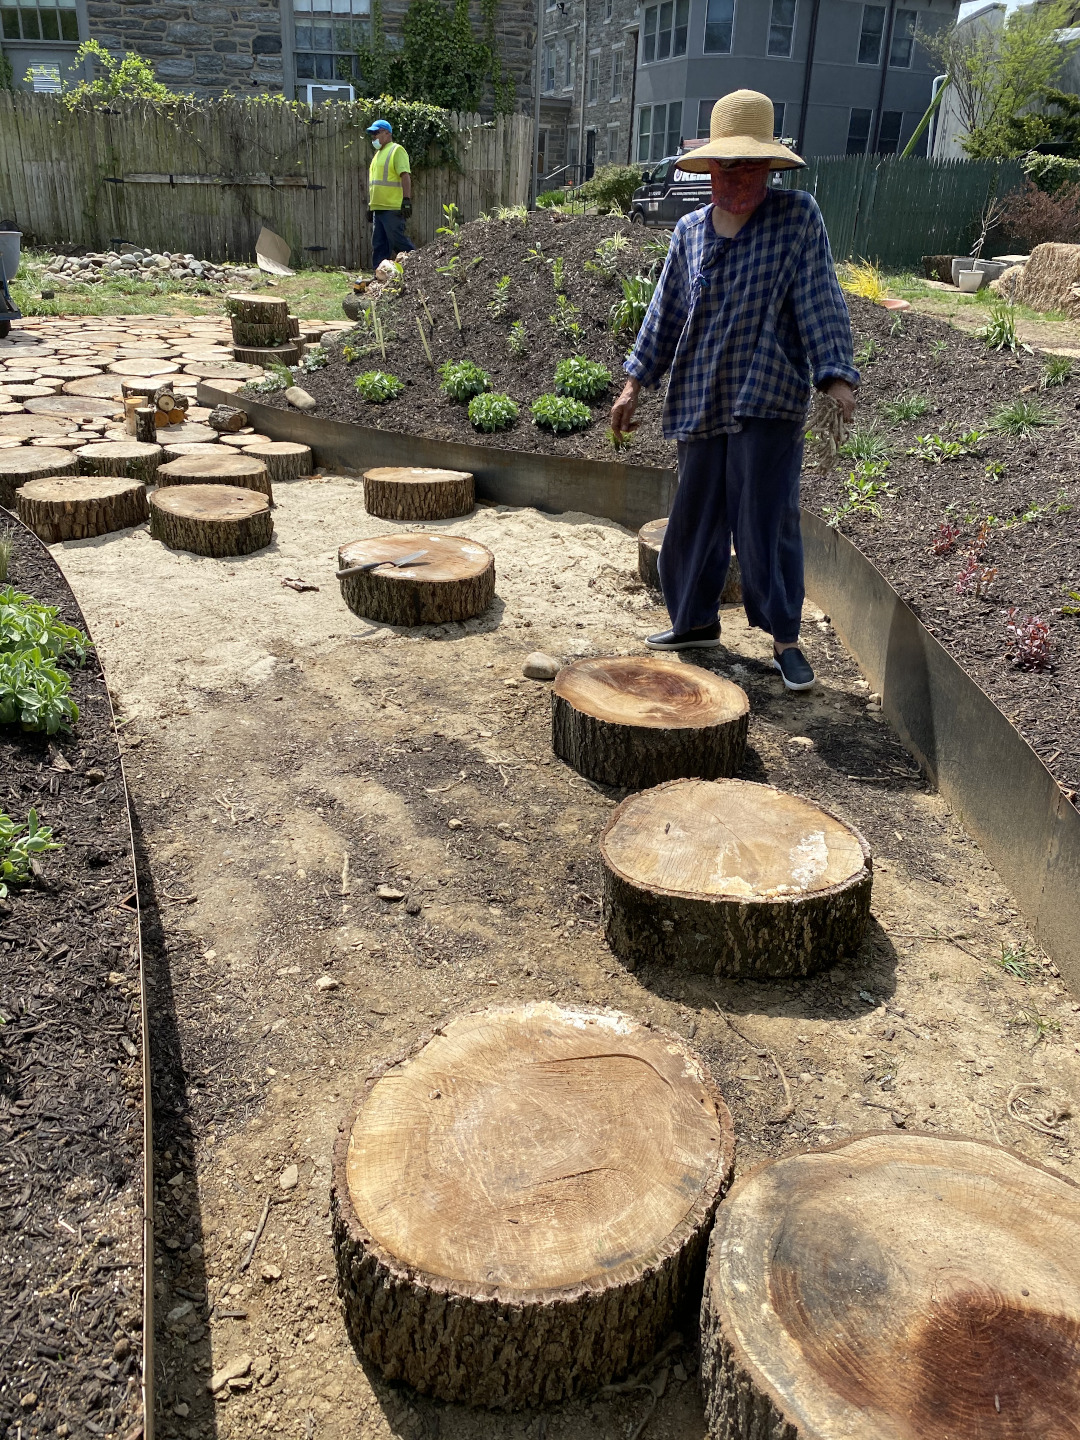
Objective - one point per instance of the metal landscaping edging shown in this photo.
(979, 761)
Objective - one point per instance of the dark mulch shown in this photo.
(1037, 559)
(499, 248)
(70, 1073)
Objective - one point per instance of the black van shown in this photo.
(668, 194)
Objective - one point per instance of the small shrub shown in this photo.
(611, 188)
(315, 357)
(999, 332)
(1056, 371)
(864, 279)
(560, 413)
(550, 199)
(866, 443)
(584, 379)
(18, 846)
(904, 407)
(517, 341)
(462, 379)
(1029, 641)
(558, 274)
(34, 693)
(975, 577)
(565, 319)
(376, 386)
(1034, 217)
(944, 542)
(1021, 417)
(628, 313)
(27, 624)
(500, 298)
(490, 412)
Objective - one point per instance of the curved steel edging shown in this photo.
(982, 765)
(147, 1377)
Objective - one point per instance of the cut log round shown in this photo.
(895, 1287)
(30, 462)
(224, 375)
(640, 720)
(257, 309)
(284, 459)
(169, 451)
(145, 425)
(728, 877)
(259, 335)
(67, 508)
(121, 457)
(225, 467)
(226, 419)
(104, 387)
(147, 369)
(453, 580)
(266, 355)
(411, 492)
(521, 1204)
(651, 537)
(215, 520)
(74, 407)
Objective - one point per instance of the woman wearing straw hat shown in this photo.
(747, 316)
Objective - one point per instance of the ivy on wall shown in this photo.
(439, 59)
(7, 74)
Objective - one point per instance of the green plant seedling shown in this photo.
(517, 340)
(582, 378)
(1021, 417)
(1014, 960)
(938, 348)
(897, 327)
(866, 442)
(451, 220)
(999, 332)
(34, 693)
(492, 411)
(560, 413)
(558, 274)
(500, 298)
(866, 354)
(656, 248)
(994, 469)
(620, 439)
(565, 319)
(6, 550)
(512, 212)
(376, 386)
(1072, 608)
(904, 407)
(1057, 370)
(628, 313)
(19, 844)
(462, 379)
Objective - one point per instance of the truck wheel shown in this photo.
(5, 329)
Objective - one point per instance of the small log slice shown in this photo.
(284, 459)
(521, 1204)
(226, 467)
(271, 355)
(121, 457)
(257, 309)
(411, 492)
(640, 720)
(71, 508)
(895, 1287)
(454, 579)
(215, 520)
(651, 537)
(30, 462)
(226, 419)
(728, 877)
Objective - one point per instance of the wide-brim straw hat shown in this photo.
(741, 129)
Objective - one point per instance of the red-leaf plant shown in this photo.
(1029, 641)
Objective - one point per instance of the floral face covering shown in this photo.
(741, 188)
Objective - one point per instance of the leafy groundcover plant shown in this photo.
(560, 413)
(462, 379)
(18, 846)
(34, 692)
(26, 624)
(492, 412)
(581, 378)
(377, 386)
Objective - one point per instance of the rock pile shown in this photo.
(148, 264)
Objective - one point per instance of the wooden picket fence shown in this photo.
(204, 177)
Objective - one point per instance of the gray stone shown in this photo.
(212, 15)
(185, 33)
(225, 47)
(539, 666)
(266, 45)
(175, 69)
(238, 63)
(300, 399)
(289, 1177)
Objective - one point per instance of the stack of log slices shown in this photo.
(522, 1204)
(732, 878)
(215, 520)
(263, 331)
(445, 578)
(895, 1287)
(651, 538)
(225, 467)
(413, 492)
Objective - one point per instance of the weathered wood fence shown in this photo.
(205, 177)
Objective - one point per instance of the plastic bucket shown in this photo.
(10, 242)
(959, 265)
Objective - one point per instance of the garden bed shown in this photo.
(71, 1116)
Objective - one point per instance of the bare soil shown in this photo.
(273, 735)
(70, 1071)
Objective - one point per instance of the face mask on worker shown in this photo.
(377, 142)
(739, 187)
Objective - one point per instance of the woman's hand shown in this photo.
(844, 395)
(622, 412)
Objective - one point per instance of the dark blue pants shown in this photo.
(743, 487)
(388, 236)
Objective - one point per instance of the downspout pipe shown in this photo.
(875, 136)
(538, 78)
(808, 71)
(941, 84)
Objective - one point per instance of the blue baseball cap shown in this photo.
(380, 125)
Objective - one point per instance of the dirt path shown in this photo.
(966, 312)
(271, 734)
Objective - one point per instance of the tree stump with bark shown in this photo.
(413, 492)
(226, 467)
(521, 1204)
(216, 520)
(120, 457)
(258, 310)
(226, 419)
(265, 356)
(451, 579)
(895, 1287)
(284, 459)
(71, 508)
(639, 720)
(169, 451)
(651, 537)
(30, 462)
(727, 877)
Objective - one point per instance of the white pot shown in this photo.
(971, 281)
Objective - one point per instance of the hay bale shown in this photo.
(1006, 283)
(1051, 279)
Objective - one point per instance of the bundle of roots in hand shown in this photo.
(825, 433)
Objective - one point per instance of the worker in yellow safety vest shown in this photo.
(389, 194)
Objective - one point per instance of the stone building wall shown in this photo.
(202, 48)
(582, 97)
(515, 32)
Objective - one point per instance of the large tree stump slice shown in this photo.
(257, 309)
(132, 458)
(30, 462)
(144, 369)
(651, 537)
(225, 467)
(65, 507)
(215, 520)
(288, 354)
(413, 492)
(728, 877)
(74, 407)
(639, 720)
(521, 1204)
(104, 387)
(29, 427)
(284, 459)
(169, 451)
(454, 580)
(895, 1287)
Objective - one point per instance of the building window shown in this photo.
(594, 79)
(704, 118)
(659, 131)
(572, 146)
(541, 153)
(664, 30)
(858, 133)
(616, 74)
(548, 68)
(782, 28)
(719, 23)
(326, 34)
(873, 27)
(892, 122)
(609, 5)
(779, 110)
(45, 79)
(613, 144)
(903, 40)
(48, 20)
(571, 65)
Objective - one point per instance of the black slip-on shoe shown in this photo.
(795, 668)
(705, 637)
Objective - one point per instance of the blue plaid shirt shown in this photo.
(744, 324)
